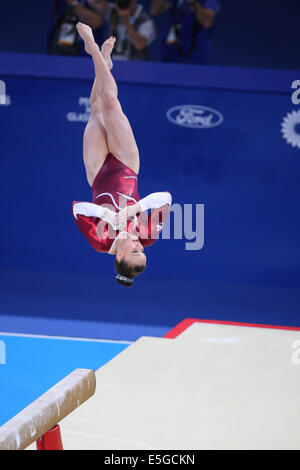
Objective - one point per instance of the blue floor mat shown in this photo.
(29, 366)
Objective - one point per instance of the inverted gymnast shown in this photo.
(117, 222)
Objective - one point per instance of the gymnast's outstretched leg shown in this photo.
(95, 145)
(120, 139)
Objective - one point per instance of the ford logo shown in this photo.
(197, 117)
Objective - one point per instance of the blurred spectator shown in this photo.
(133, 28)
(64, 38)
(190, 28)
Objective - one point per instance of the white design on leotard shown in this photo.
(113, 199)
(134, 219)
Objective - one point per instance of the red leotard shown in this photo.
(116, 186)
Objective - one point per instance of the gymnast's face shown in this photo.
(131, 251)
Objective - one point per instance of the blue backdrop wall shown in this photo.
(242, 170)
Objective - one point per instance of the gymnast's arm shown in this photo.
(152, 224)
(152, 201)
(155, 201)
(88, 209)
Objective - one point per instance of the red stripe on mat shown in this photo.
(182, 326)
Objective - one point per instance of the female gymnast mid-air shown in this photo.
(117, 222)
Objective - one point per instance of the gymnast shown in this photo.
(117, 222)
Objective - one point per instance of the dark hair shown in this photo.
(127, 271)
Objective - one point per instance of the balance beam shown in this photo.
(50, 408)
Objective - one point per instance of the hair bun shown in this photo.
(125, 279)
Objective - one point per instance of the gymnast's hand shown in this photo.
(122, 216)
